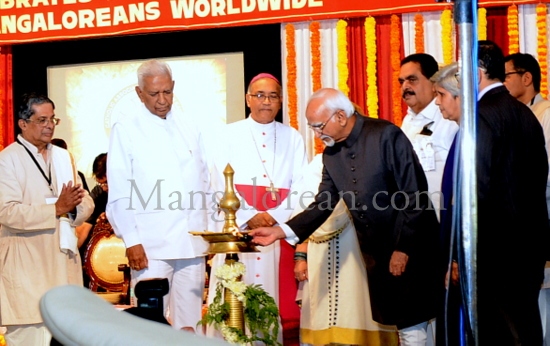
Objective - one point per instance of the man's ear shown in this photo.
(342, 118)
(527, 78)
(22, 124)
(480, 75)
(138, 92)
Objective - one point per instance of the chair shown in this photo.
(106, 264)
(76, 316)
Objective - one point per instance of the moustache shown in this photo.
(408, 93)
(328, 140)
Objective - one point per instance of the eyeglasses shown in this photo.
(261, 97)
(319, 127)
(513, 72)
(44, 121)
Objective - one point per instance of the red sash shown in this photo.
(260, 198)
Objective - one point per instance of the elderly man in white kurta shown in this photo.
(157, 194)
(268, 159)
(430, 134)
(41, 202)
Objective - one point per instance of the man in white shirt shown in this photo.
(157, 193)
(430, 134)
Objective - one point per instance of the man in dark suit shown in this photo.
(512, 171)
(371, 164)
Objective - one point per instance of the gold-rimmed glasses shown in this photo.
(43, 122)
(319, 127)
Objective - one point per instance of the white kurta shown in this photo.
(283, 152)
(31, 261)
(154, 167)
(443, 133)
(335, 298)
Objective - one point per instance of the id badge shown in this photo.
(425, 152)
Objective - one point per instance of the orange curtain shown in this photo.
(357, 62)
(497, 27)
(384, 69)
(6, 97)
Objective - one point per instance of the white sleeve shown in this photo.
(119, 170)
(284, 211)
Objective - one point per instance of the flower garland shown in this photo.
(315, 44)
(513, 29)
(447, 36)
(372, 88)
(542, 48)
(291, 73)
(482, 23)
(342, 44)
(315, 39)
(260, 310)
(418, 33)
(395, 59)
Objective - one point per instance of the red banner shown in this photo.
(45, 20)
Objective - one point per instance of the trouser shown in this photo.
(186, 277)
(28, 334)
(418, 335)
(544, 300)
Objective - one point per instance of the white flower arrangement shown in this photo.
(260, 310)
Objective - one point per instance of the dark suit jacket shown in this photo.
(512, 171)
(377, 173)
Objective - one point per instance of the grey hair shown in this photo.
(152, 68)
(447, 78)
(28, 101)
(334, 100)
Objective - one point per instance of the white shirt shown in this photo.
(158, 185)
(443, 133)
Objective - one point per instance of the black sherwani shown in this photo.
(512, 171)
(377, 173)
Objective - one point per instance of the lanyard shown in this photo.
(48, 179)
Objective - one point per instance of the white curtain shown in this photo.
(432, 34)
(527, 25)
(304, 84)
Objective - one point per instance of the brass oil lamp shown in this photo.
(230, 241)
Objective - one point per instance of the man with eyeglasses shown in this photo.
(41, 202)
(373, 168)
(268, 159)
(522, 79)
